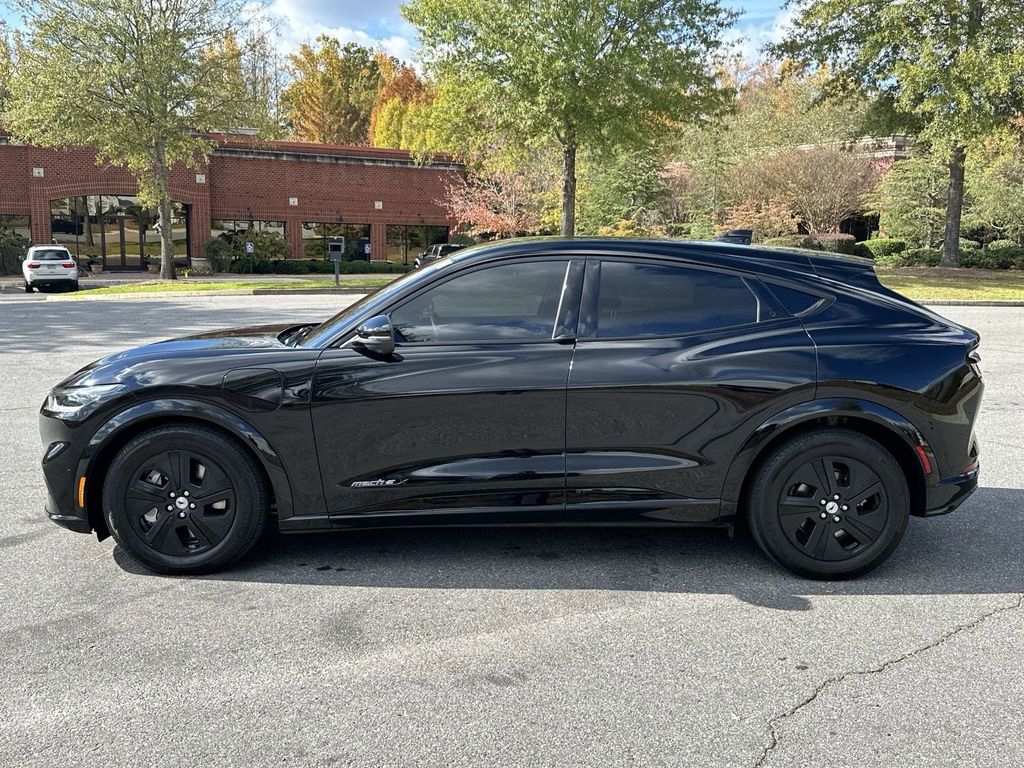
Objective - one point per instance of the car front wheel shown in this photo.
(185, 499)
(829, 505)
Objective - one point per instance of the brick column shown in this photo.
(293, 234)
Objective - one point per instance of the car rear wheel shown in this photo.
(185, 499)
(28, 287)
(829, 505)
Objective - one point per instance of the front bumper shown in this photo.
(61, 475)
(950, 493)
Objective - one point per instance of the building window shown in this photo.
(404, 242)
(16, 224)
(116, 231)
(231, 227)
(316, 234)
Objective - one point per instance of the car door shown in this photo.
(674, 365)
(465, 422)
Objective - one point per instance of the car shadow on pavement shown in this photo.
(976, 550)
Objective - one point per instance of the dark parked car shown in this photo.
(435, 252)
(539, 382)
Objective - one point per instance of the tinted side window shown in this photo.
(793, 300)
(662, 300)
(510, 302)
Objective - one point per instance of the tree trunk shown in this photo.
(954, 208)
(569, 189)
(166, 235)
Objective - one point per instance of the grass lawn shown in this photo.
(348, 283)
(932, 284)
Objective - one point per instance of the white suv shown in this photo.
(49, 265)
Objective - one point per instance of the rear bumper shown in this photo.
(950, 493)
(45, 279)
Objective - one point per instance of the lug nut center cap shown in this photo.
(182, 503)
(831, 507)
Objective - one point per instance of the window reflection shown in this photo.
(116, 231)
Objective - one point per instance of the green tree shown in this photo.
(6, 63)
(995, 185)
(911, 201)
(332, 93)
(138, 81)
(627, 185)
(587, 74)
(955, 65)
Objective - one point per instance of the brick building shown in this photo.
(381, 201)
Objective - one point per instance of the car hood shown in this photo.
(199, 359)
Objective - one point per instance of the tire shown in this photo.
(28, 287)
(798, 484)
(74, 286)
(144, 499)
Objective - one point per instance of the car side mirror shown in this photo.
(376, 335)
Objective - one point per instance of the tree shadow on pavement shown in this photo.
(975, 550)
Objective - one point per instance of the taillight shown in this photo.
(69, 264)
(33, 266)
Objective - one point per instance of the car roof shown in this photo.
(765, 260)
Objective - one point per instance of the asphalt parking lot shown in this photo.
(480, 648)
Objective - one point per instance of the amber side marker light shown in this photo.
(927, 465)
(81, 491)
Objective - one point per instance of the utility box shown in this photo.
(336, 248)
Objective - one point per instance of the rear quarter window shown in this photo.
(796, 302)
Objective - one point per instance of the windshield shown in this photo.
(51, 254)
(323, 333)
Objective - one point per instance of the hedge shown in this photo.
(993, 258)
(314, 266)
(881, 248)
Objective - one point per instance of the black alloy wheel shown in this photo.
(185, 499)
(829, 505)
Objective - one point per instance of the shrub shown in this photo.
(313, 266)
(993, 258)
(921, 257)
(219, 251)
(882, 247)
(838, 242)
(998, 245)
(969, 245)
(13, 248)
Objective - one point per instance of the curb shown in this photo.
(972, 303)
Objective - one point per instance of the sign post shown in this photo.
(336, 251)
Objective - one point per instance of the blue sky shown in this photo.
(378, 22)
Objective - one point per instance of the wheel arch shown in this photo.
(891, 429)
(110, 438)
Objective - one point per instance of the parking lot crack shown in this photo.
(775, 723)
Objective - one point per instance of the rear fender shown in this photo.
(792, 419)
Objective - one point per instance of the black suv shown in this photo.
(539, 382)
(435, 252)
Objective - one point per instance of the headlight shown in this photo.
(77, 402)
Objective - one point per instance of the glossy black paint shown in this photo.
(571, 430)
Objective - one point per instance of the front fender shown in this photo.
(165, 409)
(804, 413)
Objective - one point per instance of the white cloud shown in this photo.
(749, 39)
(375, 25)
